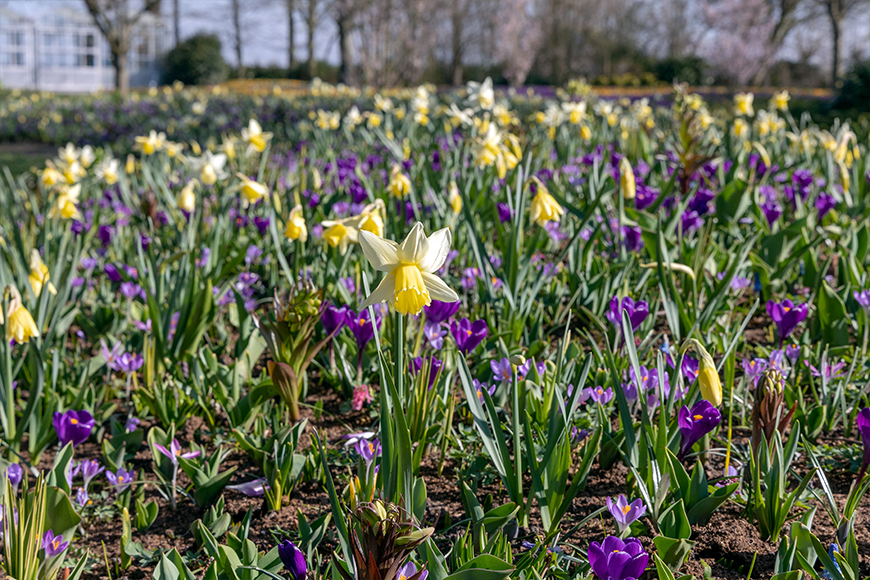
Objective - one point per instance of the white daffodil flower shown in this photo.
(411, 282)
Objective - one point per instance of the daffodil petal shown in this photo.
(384, 292)
(436, 253)
(414, 245)
(380, 253)
(438, 290)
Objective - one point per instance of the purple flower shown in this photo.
(53, 545)
(771, 210)
(15, 473)
(600, 395)
(863, 299)
(111, 356)
(438, 312)
(691, 221)
(262, 224)
(252, 254)
(614, 559)
(828, 371)
(416, 366)
(174, 452)
(504, 212)
(131, 425)
(863, 422)
(368, 449)
(625, 513)
(334, 317)
(753, 369)
(523, 369)
(690, 369)
(73, 426)
(130, 363)
(293, 560)
(468, 334)
(578, 435)
(202, 261)
(694, 424)
(825, 203)
(501, 369)
(90, 469)
(434, 335)
(481, 387)
(631, 237)
(82, 497)
(130, 290)
(786, 315)
(361, 327)
(792, 353)
(121, 479)
(113, 273)
(409, 570)
(254, 488)
(637, 312)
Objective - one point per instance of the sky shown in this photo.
(264, 23)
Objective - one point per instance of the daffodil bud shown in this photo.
(518, 360)
(708, 377)
(626, 179)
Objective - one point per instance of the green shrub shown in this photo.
(855, 92)
(687, 69)
(196, 61)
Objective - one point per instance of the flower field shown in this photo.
(457, 335)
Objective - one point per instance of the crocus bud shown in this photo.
(293, 560)
(626, 179)
(708, 377)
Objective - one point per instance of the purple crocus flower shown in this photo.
(614, 559)
(252, 254)
(637, 311)
(504, 212)
(690, 369)
(368, 449)
(174, 452)
(694, 424)
(786, 315)
(468, 334)
(825, 203)
(262, 224)
(438, 312)
(771, 210)
(90, 469)
(625, 513)
(600, 395)
(501, 369)
(334, 317)
(863, 422)
(524, 369)
(130, 363)
(15, 473)
(121, 479)
(481, 387)
(434, 335)
(828, 371)
(792, 353)
(293, 560)
(73, 426)
(753, 369)
(691, 221)
(409, 570)
(113, 273)
(416, 366)
(131, 425)
(631, 237)
(111, 356)
(82, 497)
(578, 435)
(130, 290)
(254, 488)
(863, 299)
(361, 327)
(53, 545)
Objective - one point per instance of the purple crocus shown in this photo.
(121, 479)
(53, 545)
(434, 335)
(753, 369)
(694, 424)
(468, 334)
(600, 395)
(361, 327)
(625, 513)
(792, 353)
(368, 449)
(254, 488)
(130, 290)
(293, 560)
(132, 424)
(501, 369)
(504, 212)
(174, 452)
(614, 559)
(130, 363)
(481, 387)
(863, 299)
(771, 210)
(73, 426)
(637, 311)
(82, 497)
(786, 315)
(112, 355)
(334, 317)
(828, 371)
(15, 473)
(409, 571)
(90, 469)
(438, 312)
(825, 203)
(863, 421)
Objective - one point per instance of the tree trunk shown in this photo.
(291, 8)
(457, 17)
(176, 21)
(345, 67)
(312, 24)
(237, 28)
(122, 74)
(836, 27)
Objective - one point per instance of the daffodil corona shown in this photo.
(411, 282)
(296, 228)
(39, 275)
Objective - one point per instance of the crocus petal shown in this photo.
(384, 292)
(439, 247)
(380, 253)
(438, 290)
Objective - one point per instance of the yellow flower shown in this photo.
(150, 144)
(252, 190)
(296, 229)
(780, 100)
(108, 171)
(410, 283)
(39, 275)
(399, 183)
(544, 207)
(339, 236)
(65, 206)
(585, 133)
(626, 179)
(255, 137)
(341, 233)
(187, 198)
(743, 104)
(708, 378)
(210, 167)
(20, 325)
(454, 198)
(130, 165)
(50, 175)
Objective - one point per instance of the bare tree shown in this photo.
(237, 37)
(116, 20)
(176, 21)
(291, 10)
(836, 11)
(519, 38)
(311, 13)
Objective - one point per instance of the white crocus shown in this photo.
(411, 282)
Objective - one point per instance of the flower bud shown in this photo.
(626, 179)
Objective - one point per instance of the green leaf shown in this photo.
(166, 570)
(674, 523)
(483, 567)
(832, 317)
(733, 201)
(673, 551)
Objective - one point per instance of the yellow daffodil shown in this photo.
(87, 156)
(370, 219)
(108, 171)
(150, 144)
(187, 198)
(210, 167)
(399, 185)
(66, 204)
(68, 154)
(411, 282)
(50, 175)
(454, 198)
(626, 179)
(39, 275)
(254, 136)
(173, 149)
(130, 165)
(296, 229)
(481, 95)
(743, 104)
(575, 112)
(341, 233)
(338, 235)
(780, 100)
(544, 207)
(252, 190)
(20, 325)
(708, 377)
